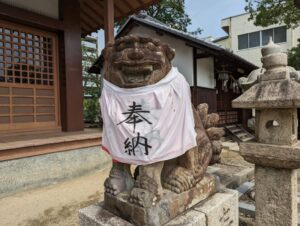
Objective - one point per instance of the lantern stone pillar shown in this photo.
(276, 151)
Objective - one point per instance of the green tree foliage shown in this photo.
(268, 12)
(171, 13)
(294, 57)
(91, 110)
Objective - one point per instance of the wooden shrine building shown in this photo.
(41, 93)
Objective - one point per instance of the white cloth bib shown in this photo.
(148, 124)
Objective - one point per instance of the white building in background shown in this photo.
(246, 40)
(89, 48)
(90, 52)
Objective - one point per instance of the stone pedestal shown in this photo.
(275, 182)
(275, 189)
(218, 210)
(168, 207)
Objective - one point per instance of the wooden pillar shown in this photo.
(109, 21)
(246, 114)
(297, 3)
(195, 66)
(71, 90)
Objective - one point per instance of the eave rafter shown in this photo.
(93, 11)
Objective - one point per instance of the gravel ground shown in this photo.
(58, 205)
(53, 205)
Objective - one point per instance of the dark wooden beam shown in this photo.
(204, 95)
(26, 17)
(109, 20)
(141, 2)
(90, 21)
(86, 21)
(97, 6)
(204, 48)
(123, 13)
(160, 33)
(84, 27)
(297, 3)
(144, 6)
(119, 10)
(128, 4)
(202, 55)
(92, 8)
(94, 14)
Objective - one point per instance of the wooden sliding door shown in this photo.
(28, 79)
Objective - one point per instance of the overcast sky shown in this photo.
(207, 14)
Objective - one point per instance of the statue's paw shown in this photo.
(142, 197)
(180, 180)
(117, 182)
(113, 186)
(147, 183)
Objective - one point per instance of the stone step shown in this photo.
(247, 139)
(237, 130)
(245, 187)
(238, 133)
(231, 176)
(242, 134)
(231, 126)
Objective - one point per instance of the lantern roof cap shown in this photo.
(275, 88)
(270, 94)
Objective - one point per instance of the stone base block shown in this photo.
(168, 207)
(220, 209)
(275, 196)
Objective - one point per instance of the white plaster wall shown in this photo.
(205, 72)
(240, 25)
(184, 54)
(44, 7)
(225, 43)
(295, 36)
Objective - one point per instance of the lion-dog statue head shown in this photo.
(135, 61)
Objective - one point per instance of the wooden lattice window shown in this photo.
(228, 117)
(28, 78)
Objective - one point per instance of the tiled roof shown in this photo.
(213, 48)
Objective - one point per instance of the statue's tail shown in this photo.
(210, 121)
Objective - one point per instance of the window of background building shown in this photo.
(266, 34)
(280, 34)
(243, 41)
(254, 39)
(261, 38)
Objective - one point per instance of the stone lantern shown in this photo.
(276, 152)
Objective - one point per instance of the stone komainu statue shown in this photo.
(133, 62)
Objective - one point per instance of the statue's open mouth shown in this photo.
(137, 72)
